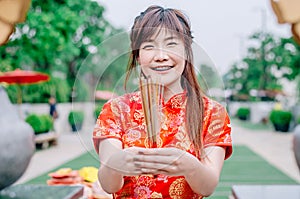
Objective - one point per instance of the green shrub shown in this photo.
(47, 122)
(34, 121)
(40, 123)
(243, 113)
(281, 120)
(280, 117)
(76, 117)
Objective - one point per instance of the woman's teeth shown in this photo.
(162, 68)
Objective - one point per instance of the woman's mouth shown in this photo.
(161, 68)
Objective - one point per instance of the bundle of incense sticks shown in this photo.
(151, 92)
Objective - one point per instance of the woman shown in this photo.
(194, 138)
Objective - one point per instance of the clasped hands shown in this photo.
(168, 161)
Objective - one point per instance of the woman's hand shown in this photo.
(124, 162)
(167, 161)
(136, 161)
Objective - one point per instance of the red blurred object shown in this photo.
(105, 95)
(58, 175)
(23, 77)
(19, 76)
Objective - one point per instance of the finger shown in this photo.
(162, 172)
(155, 167)
(137, 164)
(161, 151)
(132, 150)
(170, 170)
(167, 160)
(153, 151)
(149, 171)
(132, 169)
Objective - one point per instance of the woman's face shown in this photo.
(163, 58)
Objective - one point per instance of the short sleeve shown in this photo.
(108, 124)
(218, 129)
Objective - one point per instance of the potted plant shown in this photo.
(40, 123)
(42, 126)
(281, 120)
(243, 113)
(75, 119)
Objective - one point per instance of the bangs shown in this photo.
(152, 23)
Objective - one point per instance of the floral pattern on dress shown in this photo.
(122, 118)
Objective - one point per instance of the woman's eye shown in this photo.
(172, 44)
(148, 47)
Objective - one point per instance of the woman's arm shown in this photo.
(110, 179)
(203, 177)
(115, 163)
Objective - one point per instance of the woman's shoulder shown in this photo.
(210, 103)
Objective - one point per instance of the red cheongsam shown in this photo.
(122, 118)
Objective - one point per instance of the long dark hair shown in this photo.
(145, 26)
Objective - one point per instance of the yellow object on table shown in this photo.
(89, 174)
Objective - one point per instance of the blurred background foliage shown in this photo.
(69, 41)
(56, 38)
(269, 61)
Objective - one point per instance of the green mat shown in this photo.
(243, 167)
(247, 167)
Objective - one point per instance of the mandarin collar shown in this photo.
(177, 101)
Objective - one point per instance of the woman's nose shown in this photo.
(161, 54)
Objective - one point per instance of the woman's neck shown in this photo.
(168, 93)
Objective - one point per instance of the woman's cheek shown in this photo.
(145, 58)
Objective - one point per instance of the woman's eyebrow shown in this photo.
(149, 40)
(166, 39)
(170, 38)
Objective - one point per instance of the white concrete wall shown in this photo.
(258, 110)
(61, 123)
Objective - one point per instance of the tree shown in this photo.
(268, 61)
(56, 38)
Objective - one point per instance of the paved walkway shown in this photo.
(274, 147)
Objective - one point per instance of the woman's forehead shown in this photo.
(163, 32)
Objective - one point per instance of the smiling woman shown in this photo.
(163, 57)
(189, 151)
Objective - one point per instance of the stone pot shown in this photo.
(16, 144)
